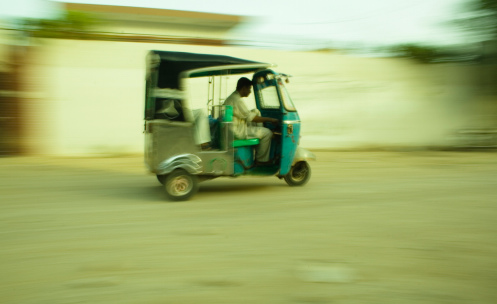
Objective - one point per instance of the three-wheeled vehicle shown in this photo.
(172, 151)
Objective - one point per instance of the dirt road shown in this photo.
(368, 228)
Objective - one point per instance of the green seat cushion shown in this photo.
(245, 142)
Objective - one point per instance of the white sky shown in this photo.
(360, 21)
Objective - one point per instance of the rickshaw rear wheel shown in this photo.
(180, 185)
(299, 174)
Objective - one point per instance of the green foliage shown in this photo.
(71, 24)
(488, 5)
(479, 19)
(424, 54)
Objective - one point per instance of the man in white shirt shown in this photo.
(242, 117)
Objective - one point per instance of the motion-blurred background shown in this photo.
(366, 74)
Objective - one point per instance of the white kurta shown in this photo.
(242, 129)
(202, 130)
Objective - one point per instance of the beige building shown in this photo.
(159, 23)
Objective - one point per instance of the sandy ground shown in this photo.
(370, 227)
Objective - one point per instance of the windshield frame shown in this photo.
(286, 99)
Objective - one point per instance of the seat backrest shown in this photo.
(245, 142)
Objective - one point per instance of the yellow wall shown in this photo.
(93, 97)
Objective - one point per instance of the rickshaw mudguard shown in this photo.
(189, 162)
(303, 155)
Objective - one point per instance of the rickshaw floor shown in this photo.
(263, 170)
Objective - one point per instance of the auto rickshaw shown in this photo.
(171, 150)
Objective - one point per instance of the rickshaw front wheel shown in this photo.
(161, 178)
(180, 185)
(299, 174)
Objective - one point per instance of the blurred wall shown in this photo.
(90, 97)
(14, 96)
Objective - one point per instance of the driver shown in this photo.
(242, 118)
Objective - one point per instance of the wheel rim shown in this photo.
(180, 185)
(299, 172)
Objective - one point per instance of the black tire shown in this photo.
(299, 174)
(161, 179)
(180, 185)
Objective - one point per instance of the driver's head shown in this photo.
(244, 86)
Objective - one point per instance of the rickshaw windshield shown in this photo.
(269, 98)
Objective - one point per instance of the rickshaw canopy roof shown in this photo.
(171, 66)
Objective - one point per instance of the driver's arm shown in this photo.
(265, 119)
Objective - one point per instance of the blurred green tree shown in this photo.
(479, 19)
(70, 24)
(421, 53)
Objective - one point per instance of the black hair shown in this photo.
(243, 82)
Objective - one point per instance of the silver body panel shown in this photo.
(170, 145)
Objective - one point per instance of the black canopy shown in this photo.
(173, 63)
